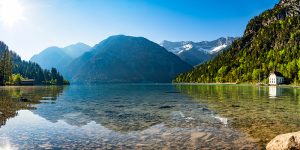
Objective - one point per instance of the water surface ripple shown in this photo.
(146, 116)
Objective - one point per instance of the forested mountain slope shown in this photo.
(11, 63)
(271, 40)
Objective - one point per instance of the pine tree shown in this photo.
(5, 65)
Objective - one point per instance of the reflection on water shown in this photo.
(126, 108)
(121, 116)
(274, 91)
(9, 99)
(251, 109)
(5, 145)
(41, 134)
(147, 116)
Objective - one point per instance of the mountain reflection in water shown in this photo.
(124, 108)
(124, 116)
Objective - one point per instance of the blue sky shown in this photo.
(47, 23)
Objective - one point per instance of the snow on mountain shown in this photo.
(219, 48)
(187, 46)
(196, 53)
(205, 46)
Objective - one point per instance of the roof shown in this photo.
(278, 74)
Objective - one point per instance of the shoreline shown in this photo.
(253, 84)
(33, 85)
(195, 83)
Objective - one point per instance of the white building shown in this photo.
(276, 78)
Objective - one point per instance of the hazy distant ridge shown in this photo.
(59, 57)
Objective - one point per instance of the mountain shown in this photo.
(270, 41)
(52, 57)
(59, 57)
(196, 53)
(195, 57)
(126, 59)
(76, 50)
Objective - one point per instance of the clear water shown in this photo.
(146, 116)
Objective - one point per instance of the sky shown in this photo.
(30, 26)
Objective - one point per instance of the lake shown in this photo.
(146, 116)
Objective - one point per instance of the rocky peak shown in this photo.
(292, 7)
(288, 2)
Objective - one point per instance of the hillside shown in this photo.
(196, 53)
(26, 69)
(126, 59)
(271, 40)
(59, 57)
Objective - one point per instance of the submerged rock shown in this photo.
(24, 99)
(172, 92)
(1, 113)
(289, 141)
(166, 107)
(235, 105)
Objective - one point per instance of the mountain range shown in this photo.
(270, 42)
(196, 53)
(129, 59)
(59, 57)
(123, 58)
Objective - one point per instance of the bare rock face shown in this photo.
(289, 141)
(292, 7)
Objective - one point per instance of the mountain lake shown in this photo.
(146, 116)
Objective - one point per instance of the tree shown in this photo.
(256, 74)
(53, 73)
(16, 79)
(5, 65)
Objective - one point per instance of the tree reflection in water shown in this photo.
(262, 112)
(10, 103)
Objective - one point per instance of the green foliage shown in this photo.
(256, 74)
(15, 79)
(262, 49)
(66, 82)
